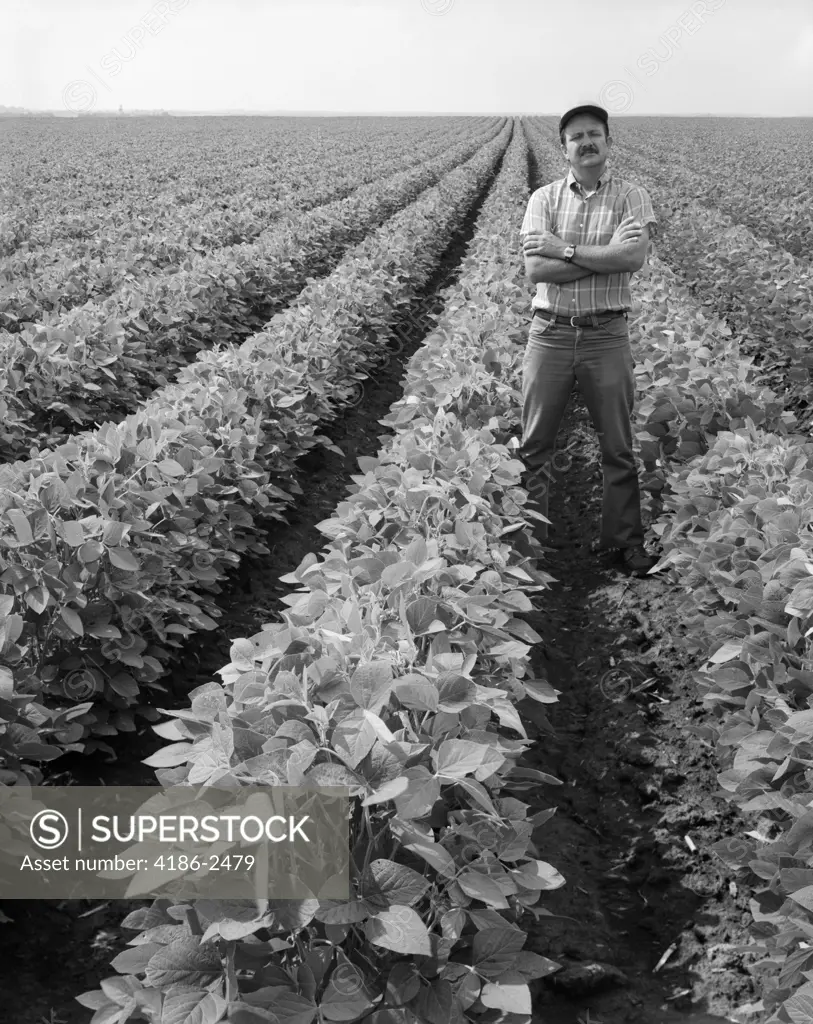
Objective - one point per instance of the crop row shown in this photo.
(113, 545)
(40, 283)
(161, 176)
(737, 538)
(736, 174)
(765, 293)
(409, 653)
(736, 535)
(99, 361)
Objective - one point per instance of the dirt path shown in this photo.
(636, 784)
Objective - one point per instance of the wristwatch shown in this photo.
(570, 252)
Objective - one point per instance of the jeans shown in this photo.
(599, 358)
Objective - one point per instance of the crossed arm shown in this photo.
(625, 253)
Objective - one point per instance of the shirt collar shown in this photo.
(570, 181)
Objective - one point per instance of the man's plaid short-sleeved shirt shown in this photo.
(579, 219)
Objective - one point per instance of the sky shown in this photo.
(637, 57)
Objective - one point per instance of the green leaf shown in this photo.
(455, 759)
(508, 715)
(91, 551)
(389, 791)
(494, 950)
(121, 990)
(242, 1014)
(804, 897)
(6, 684)
(103, 630)
(113, 532)
(370, 685)
(801, 598)
(729, 650)
(420, 614)
(72, 533)
(511, 994)
(170, 756)
(124, 685)
(287, 1006)
(184, 962)
(112, 1013)
(423, 790)
(455, 693)
(416, 693)
(436, 1003)
(534, 775)
(532, 965)
(350, 912)
(38, 751)
(123, 559)
(386, 883)
(22, 527)
(353, 738)
(403, 983)
(478, 793)
(482, 887)
(72, 620)
(192, 1006)
(509, 649)
(800, 1006)
(330, 774)
(37, 599)
(94, 1000)
(540, 690)
(232, 930)
(467, 989)
(345, 997)
(538, 874)
(399, 929)
(148, 917)
(436, 856)
(135, 960)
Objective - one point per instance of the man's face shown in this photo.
(585, 144)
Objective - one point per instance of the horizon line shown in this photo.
(237, 111)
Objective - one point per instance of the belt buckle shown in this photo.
(572, 319)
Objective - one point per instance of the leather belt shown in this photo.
(587, 320)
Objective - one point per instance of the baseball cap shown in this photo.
(587, 108)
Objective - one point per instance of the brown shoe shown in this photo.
(636, 561)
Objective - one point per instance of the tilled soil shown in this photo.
(648, 922)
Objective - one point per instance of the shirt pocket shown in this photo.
(603, 227)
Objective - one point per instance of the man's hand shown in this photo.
(544, 243)
(625, 253)
(629, 230)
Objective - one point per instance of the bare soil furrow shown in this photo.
(638, 787)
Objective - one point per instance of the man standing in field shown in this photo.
(583, 237)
